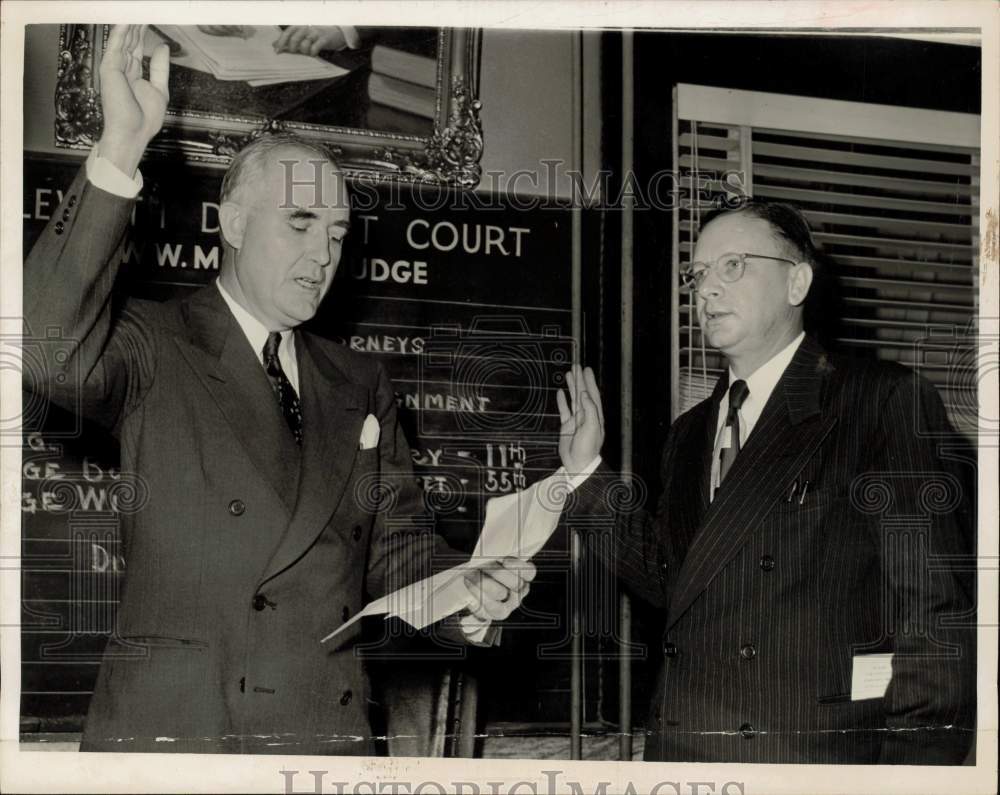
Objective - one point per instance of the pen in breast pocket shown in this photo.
(795, 488)
(802, 494)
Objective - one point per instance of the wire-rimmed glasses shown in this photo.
(729, 268)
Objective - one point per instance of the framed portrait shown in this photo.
(392, 103)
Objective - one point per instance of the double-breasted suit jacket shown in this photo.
(773, 590)
(246, 550)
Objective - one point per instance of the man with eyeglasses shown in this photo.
(806, 550)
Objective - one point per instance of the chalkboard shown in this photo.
(466, 301)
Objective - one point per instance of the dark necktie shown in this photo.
(737, 394)
(288, 401)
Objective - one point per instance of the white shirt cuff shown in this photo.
(351, 36)
(574, 481)
(105, 175)
(487, 635)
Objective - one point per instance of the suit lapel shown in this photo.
(219, 352)
(689, 486)
(791, 427)
(333, 412)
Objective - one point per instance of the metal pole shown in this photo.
(627, 323)
(467, 719)
(625, 681)
(446, 725)
(576, 675)
(576, 543)
(675, 260)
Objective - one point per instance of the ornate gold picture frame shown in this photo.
(443, 146)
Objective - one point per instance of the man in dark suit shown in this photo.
(805, 550)
(278, 488)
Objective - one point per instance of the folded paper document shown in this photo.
(517, 525)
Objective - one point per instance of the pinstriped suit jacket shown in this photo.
(768, 601)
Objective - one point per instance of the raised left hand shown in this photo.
(498, 590)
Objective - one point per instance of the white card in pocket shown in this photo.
(370, 433)
(870, 676)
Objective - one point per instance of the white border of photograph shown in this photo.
(101, 773)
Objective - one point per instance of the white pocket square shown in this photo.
(370, 433)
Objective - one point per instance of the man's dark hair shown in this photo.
(786, 220)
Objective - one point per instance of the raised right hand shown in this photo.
(582, 433)
(134, 108)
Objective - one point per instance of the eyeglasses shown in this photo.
(729, 268)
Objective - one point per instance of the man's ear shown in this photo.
(800, 279)
(233, 223)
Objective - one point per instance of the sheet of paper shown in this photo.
(250, 57)
(870, 676)
(186, 57)
(517, 525)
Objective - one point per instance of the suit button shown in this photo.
(357, 532)
(345, 613)
(748, 652)
(259, 602)
(59, 227)
(766, 563)
(72, 200)
(237, 507)
(747, 731)
(670, 650)
(346, 698)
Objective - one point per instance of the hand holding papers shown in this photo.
(517, 526)
(245, 53)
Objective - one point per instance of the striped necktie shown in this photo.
(738, 393)
(288, 400)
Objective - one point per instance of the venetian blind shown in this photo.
(897, 216)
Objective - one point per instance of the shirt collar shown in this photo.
(255, 331)
(761, 382)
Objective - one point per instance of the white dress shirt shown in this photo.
(257, 334)
(574, 480)
(761, 383)
(105, 175)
